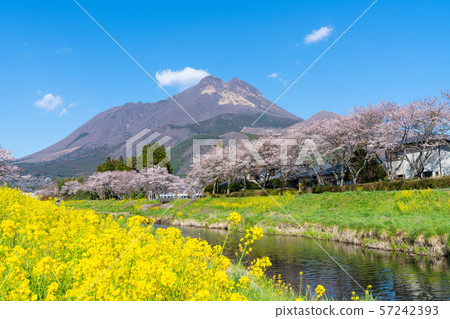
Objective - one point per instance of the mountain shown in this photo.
(219, 108)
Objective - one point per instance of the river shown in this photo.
(393, 276)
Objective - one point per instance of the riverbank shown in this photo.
(414, 222)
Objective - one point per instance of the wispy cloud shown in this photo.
(181, 79)
(63, 50)
(73, 104)
(63, 111)
(277, 76)
(49, 102)
(318, 35)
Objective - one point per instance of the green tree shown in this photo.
(159, 154)
(121, 165)
(372, 171)
(107, 166)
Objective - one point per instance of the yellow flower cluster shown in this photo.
(243, 282)
(259, 266)
(257, 204)
(281, 286)
(234, 219)
(8, 228)
(410, 201)
(354, 296)
(253, 234)
(320, 290)
(52, 252)
(367, 296)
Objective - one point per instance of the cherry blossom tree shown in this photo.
(309, 141)
(384, 137)
(209, 167)
(6, 168)
(100, 184)
(153, 181)
(267, 168)
(280, 156)
(157, 181)
(338, 140)
(425, 125)
(71, 188)
(445, 94)
(199, 176)
(335, 145)
(244, 166)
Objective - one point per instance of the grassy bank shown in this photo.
(411, 221)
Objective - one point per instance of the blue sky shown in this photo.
(399, 51)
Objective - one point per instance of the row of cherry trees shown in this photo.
(344, 146)
(152, 182)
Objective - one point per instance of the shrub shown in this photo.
(398, 185)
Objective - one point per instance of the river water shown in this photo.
(393, 276)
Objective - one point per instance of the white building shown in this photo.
(438, 164)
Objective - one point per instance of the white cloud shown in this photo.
(181, 79)
(49, 102)
(318, 35)
(63, 111)
(74, 104)
(277, 76)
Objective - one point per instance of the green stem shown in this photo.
(225, 242)
(242, 256)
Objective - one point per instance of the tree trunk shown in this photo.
(319, 177)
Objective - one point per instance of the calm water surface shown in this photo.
(392, 276)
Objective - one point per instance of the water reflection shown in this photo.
(392, 276)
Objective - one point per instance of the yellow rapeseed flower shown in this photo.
(234, 219)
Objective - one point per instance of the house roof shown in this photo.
(418, 139)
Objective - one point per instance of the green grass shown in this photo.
(112, 206)
(270, 289)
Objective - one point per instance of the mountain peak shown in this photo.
(243, 87)
(234, 92)
(236, 81)
(211, 80)
(234, 84)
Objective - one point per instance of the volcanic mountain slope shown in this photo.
(219, 107)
